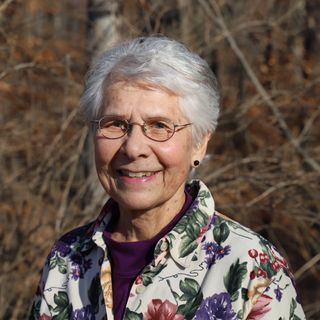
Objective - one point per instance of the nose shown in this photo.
(131, 124)
(136, 144)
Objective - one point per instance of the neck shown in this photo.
(138, 225)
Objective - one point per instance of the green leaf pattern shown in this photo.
(234, 278)
(211, 268)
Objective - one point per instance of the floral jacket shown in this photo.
(206, 267)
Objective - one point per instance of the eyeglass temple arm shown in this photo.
(182, 125)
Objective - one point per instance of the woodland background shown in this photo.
(263, 163)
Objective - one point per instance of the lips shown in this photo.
(137, 174)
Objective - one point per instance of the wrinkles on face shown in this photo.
(144, 176)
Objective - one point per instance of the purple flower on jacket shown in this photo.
(72, 236)
(222, 251)
(214, 252)
(278, 293)
(87, 264)
(61, 247)
(216, 307)
(76, 259)
(76, 273)
(85, 313)
(209, 247)
(210, 260)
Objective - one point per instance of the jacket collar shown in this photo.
(94, 234)
(182, 242)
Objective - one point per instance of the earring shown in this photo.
(196, 163)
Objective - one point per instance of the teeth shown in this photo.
(138, 174)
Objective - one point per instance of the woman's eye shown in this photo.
(113, 124)
(159, 125)
(118, 124)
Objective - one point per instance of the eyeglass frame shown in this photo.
(142, 126)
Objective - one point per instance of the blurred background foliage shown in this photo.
(263, 163)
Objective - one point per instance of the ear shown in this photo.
(200, 149)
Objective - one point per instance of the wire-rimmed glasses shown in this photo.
(155, 129)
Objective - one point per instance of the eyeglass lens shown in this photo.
(158, 130)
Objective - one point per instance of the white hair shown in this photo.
(158, 62)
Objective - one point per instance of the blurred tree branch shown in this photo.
(4, 6)
(312, 262)
(217, 16)
(17, 67)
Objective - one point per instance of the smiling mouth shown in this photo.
(140, 174)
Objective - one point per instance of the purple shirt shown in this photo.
(129, 258)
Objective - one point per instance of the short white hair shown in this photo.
(158, 62)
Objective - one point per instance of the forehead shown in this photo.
(126, 98)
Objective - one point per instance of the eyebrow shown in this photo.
(114, 116)
(161, 118)
(123, 117)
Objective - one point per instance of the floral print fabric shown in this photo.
(206, 267)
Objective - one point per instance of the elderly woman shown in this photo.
(158, 249)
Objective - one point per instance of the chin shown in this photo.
(136, 204)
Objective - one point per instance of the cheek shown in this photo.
(177, 155)
(98, 154)
(102, 152)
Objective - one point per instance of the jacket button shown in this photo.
(164, 246)
(140, 289)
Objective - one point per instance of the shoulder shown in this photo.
(68, 264)
(246, 245)
(77, 235)
(226, 229)
(252, 273)
(72, 240)
(66, 254)
(225, 241)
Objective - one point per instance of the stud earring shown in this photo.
(196, 163)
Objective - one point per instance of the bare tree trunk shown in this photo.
(103, 31)
(185, 10)
(104, 24)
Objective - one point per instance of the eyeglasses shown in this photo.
(155, 129)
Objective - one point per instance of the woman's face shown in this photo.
(139, 173)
